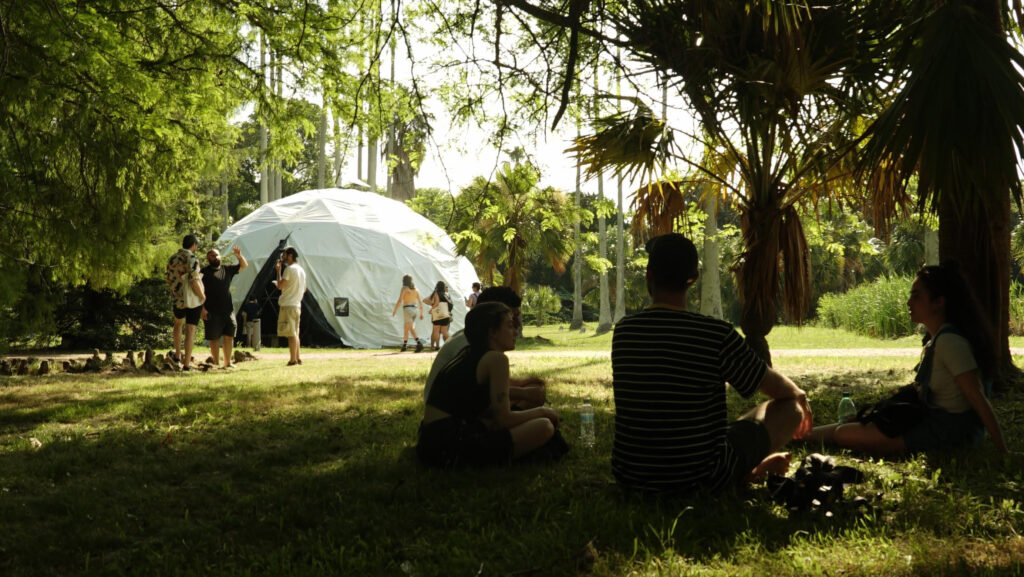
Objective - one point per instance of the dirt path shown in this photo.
(381, 353)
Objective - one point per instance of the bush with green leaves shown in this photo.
(539, 304)
(140, 318)
(877, 309)
(1016, 309)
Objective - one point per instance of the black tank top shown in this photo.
(456, 391)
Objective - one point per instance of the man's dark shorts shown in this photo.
(220, 325)
(191, 316)
(750, 444)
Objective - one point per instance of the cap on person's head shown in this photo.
(500, 294)
(189, 241)
(671, 261)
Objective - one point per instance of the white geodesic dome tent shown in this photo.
(355, 247)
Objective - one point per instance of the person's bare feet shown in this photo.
(774, 464)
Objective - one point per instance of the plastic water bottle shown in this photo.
(847, 410)
(587, 423)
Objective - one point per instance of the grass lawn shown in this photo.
(271, 470)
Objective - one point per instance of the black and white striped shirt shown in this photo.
(669, 369)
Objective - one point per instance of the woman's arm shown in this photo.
(972, 389)
(494, 366)
(399, 303)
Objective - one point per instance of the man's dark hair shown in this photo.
(671, 261)
(189, 241)
(291, 250)
(500, 294)
(476, 286)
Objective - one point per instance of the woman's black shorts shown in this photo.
(455, 441)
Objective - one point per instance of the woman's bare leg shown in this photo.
(530, 435)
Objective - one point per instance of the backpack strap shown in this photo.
(924, 369)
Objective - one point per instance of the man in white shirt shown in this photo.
(292, 284)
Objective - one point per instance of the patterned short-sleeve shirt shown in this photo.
(182, 269)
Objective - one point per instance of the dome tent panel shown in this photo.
(355, 247)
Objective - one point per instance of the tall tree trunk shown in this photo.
(620, 258)
(224, 206)
(338, 161)
(321, 142)
(604, 317)
(279, 164)
(931, 247)
(371, 163)
(710, 282)
(577, 258)
(983, 230)
(264, 172)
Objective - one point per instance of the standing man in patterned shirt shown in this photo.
(670, 367)
(182, 275)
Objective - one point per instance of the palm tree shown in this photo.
(956, 122)
(516, 219)
(766, 81)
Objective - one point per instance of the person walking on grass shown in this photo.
(292, 284)
(218, 312)
(669, 366)
(467, 417)
(183, 276)
(950, 379)
(524, 393)
(409, 299)
(440, 314)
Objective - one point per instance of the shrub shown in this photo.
(877, 309)
(538, 303)
(1016, 309)
(109, 320)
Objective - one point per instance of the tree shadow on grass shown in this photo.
(315, 478)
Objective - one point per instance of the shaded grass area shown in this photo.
(269, 470)
(781, 337)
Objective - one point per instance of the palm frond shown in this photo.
(959, 120)
(633, 143)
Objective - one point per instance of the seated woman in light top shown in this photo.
(961, 352)
(467, 418)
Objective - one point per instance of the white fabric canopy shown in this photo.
(355, 245)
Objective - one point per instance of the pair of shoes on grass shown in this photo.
(293, 363)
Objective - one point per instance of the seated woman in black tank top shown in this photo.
(467, 418)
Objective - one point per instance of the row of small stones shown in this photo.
(147, 360)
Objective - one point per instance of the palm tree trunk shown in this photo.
(758, 277)
(964, 234)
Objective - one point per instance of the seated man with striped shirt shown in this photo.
(669, 368)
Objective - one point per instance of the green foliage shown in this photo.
(510, 219)
(877, 309)
(141, 318)
(1016, 309)
(111, 117)
(538, 303)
